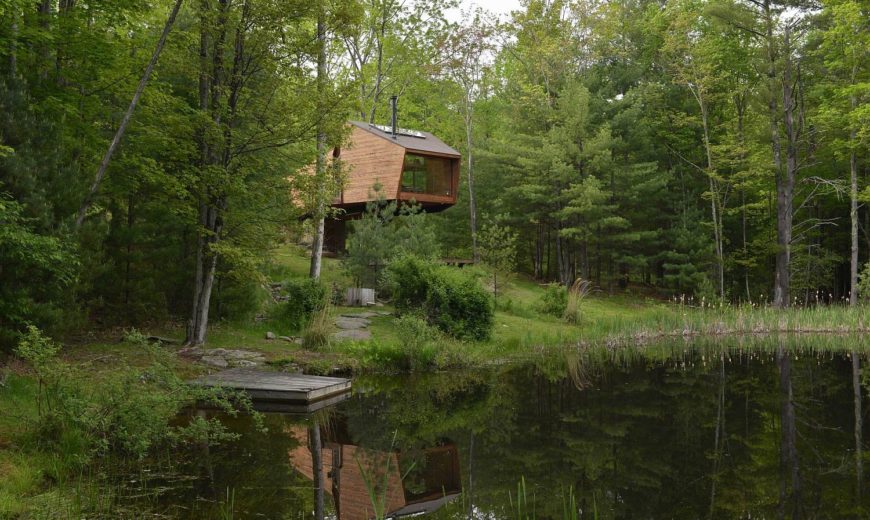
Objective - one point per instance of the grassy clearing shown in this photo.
(522, 330)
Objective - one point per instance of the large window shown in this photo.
(429, 175)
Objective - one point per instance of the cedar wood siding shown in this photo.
(371, 159)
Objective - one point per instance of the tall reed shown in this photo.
(578, 292)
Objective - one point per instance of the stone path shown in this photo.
(223, 357)
(355, 326)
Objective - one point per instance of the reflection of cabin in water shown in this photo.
(409, 165)
(434, 479)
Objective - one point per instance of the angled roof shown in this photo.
(411, 140)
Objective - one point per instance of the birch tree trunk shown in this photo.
(472, 205)
(715, 203)
(316, 448)
(119, 134)
(320, 164)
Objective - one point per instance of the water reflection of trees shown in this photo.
(762, 429)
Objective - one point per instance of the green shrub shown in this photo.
(408, 279)
(459, 306)
(554, 300)
(418, 341)
(305, 297)
(449, 299)
(131, 411)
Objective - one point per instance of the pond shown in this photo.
(751, 430)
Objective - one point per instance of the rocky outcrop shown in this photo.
(222, 357)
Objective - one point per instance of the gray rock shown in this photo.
(271, 335)
(346, 323)
(193, 352)
(244, 363)
(352, 334)
(215, 361)
(288, 339)
(240, 354)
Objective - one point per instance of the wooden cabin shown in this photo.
(409, 165)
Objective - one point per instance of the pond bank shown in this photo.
(442, 410)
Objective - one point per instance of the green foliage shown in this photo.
(131, 412)
(864, 283)
(383, 233)
(408, 278)
(37, 273)
(458, 305)
(554, 300)
(498, 250)
(305, 297)
(419, 341)
(450, 299)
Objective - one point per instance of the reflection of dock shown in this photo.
(280, 387)
(429, 482)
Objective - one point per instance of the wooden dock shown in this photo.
(279, 387)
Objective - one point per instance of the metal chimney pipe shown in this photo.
(394, 102)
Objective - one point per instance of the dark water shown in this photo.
(676, 432)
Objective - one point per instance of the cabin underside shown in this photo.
(336, 229)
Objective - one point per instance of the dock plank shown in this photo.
(277, 386)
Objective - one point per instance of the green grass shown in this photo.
(521, 330)
(292, 261)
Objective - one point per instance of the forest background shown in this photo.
(713, 149)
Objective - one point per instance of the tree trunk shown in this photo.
(320, 164)
(472, 204)
(853, 207)
(206, 270)
(43, 9)
(104, 164)
(859, 426)
(780, 287)
(785, 182)
(715, 203)
(789, 468)
(539, 251)
(719, 434)
(212, 204)
(13, 44)
(470, 491)
(201, 329)
(316, 447)
(740, 106)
